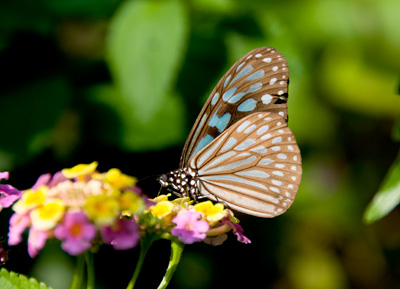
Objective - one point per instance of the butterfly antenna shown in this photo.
(148, 177)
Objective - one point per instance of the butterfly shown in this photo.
(240, 150)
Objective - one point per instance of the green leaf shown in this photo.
(145, 48)
(12, 280)
(165, 128)
(388, 196)
(396, 130)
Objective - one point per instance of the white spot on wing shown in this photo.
(276, 183)
(272, 81)
(266, 99)
(278, 173)
(268, 59)
(282, 156)
(276, 190)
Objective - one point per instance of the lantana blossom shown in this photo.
(8, 194)
(84, 208)
(122, 235)
(189, 228)
(76, 232)
(77, 205)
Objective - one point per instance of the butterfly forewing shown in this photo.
(254, 166)
(257, 82)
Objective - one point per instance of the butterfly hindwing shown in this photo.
(257, 82)
(254, 166)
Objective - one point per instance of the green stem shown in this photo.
(90, 270)
(145, 244)
(176, 253)
(77, 277)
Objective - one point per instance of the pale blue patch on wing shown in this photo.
(265, 162)
(244, 145)
(235, 179)
(219, 159)
(240, 66)
(237, 97)
(215, 98)
(227, 80)
(202, 143)
(254, 173)
(232, 166)
(243, 72)
(220, 122)
(255, 87)
(256, 75)
(210, 150)
(196, 133)
(231, 141)
(247, 105)
(228, 93)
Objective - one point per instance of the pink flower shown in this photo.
(42, 180)
(18, 224)
(4, 175)
(189, 228)
(8, 194)
(122, 235)
(36, 241)
(77, 233)
(237, 230)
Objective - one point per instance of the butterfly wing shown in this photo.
(254, 166)
(257, 82)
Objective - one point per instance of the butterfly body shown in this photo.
(240, 150)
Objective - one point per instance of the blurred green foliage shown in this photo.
(122, 82)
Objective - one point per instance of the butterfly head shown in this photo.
(182, 181)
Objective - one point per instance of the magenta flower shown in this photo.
(122, 235)
(4, 175)
(237, 230)
(41, 181)
(18, 224)
(189, 228)
(36, 241)
(8, 194)
(77, 233)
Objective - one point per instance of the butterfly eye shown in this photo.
(240, 149)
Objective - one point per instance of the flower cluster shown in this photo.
(84, 208)
(191, 223)
(80, 207)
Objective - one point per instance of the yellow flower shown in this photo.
(47, 216)
(183, 202)
(79, 170)
(118, 179)
(162, 209)
(131, 202)
(161, 198)
(30, 199)
(213, 213)
(102, 209)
